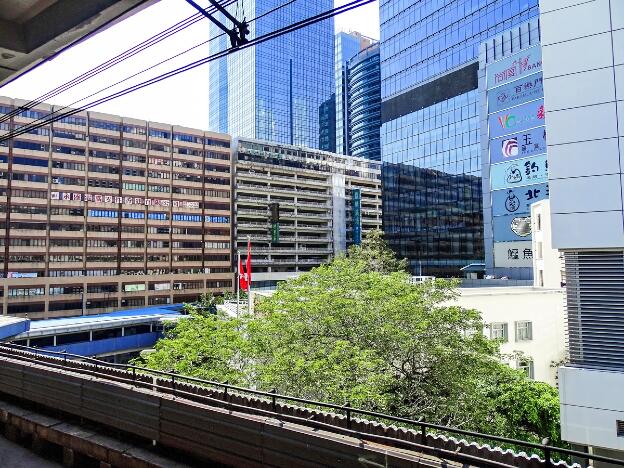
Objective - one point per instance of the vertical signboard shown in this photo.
(356, 210)
(517, 152)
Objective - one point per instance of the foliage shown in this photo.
(357, 331)
(206, 304)
(208, 346)
(376, 254)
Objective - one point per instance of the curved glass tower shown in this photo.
(364, 84)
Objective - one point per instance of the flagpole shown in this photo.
(238, 284)
(248, 276)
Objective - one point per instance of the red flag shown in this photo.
(242, 279)
(248, 266)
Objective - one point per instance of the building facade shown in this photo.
(103, 212)
(274, 91)
(529, 322)
(347, 45)
(514, 164)
(325, 201)
(327, 125)
(548, 269)
(364, 104)
(430, 126)
(583, 66)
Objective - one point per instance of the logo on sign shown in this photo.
(507, 120)
(512, 203)
(521, 226)
(502, 97)
(510, 147)
(513, 175)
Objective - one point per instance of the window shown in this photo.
(526, 365)
(498, 331)
(524, 331)
(539, 221)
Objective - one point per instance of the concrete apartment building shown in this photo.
(326, 201)
(583, 64)
(103, 212)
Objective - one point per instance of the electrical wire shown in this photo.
(154, 66)
(253, 42)
(155, 39)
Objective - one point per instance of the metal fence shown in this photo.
(134, 374)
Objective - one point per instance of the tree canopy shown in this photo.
(355, 330)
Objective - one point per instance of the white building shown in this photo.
(528, 320)
(583, 65)
(547, 261)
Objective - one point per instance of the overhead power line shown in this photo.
(132, 51)
(69, 106)
(253, 42)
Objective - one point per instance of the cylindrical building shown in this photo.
(364, 101)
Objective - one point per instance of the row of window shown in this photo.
(523, 331)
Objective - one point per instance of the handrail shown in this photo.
(546, 449)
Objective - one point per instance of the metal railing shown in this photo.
(346, 409)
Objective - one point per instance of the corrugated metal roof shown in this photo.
(99, 321)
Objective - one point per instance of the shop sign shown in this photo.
(520, 172)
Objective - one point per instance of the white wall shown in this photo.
(546, 261)
(543, 307)
(583, 65)
(591, 403)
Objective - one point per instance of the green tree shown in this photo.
(376, 254)
(355, 330)
(208, 346)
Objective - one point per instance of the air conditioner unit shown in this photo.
(56, 180)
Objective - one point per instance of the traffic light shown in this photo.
(274, 219)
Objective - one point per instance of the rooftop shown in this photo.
(101, 321)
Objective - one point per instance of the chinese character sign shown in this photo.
(517, 200)
(513, 254)
(518, 145)
(516, 93)
(520, 172)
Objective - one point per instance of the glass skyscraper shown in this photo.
(430, 141)
(274, 91)
(346, 46)
(364, 103)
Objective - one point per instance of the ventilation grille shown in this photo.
(619, 428)
(595, 308)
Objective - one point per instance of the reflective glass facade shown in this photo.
(364, 100)
(274, 91)
(430, 136)
(347, 45)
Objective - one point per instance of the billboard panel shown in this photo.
(518, 145)
(520, 172)
(511, 228)
(513, 254)
(515, 93)
(517, 200)
(523, 63)
(516, 119)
